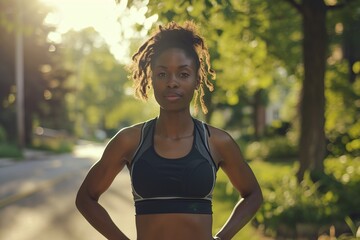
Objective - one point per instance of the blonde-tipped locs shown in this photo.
(172, 35)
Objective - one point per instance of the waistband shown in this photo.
(177, 205)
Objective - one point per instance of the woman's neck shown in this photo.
(174, 125)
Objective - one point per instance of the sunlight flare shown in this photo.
(114, 22)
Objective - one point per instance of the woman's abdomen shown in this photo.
(174, 226)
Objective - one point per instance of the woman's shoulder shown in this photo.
(221, 143)
(129, 133)
(126, 140)
(218, 134)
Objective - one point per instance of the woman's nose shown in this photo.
(172, 81)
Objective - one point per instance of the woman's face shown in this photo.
(174, 79)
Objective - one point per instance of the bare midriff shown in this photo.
(174, 226)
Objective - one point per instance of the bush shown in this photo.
(275, 148)
(54, 145)
(52, 140)
(329, 201)
(10, 151)
(277, 128)
(346, 143)
(2, 135)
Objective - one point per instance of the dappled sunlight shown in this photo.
(114, 22)
(89, 150)
(47, 212)
(33, 220)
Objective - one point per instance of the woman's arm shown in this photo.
(99, 179)
(241, 176)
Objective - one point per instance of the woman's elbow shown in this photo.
(84, 200)
(80, 200)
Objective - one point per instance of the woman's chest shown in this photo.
(189, 176)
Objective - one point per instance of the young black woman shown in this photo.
(172, 159)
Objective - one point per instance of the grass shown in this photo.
(267, 172)
(10, 151)
(54, 145)
(225, 196)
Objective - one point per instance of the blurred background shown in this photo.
(287, 89)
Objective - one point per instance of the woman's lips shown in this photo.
(172, 96)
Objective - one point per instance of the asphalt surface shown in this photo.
(37, 196)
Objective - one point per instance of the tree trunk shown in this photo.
(259, 114)
(312, 109)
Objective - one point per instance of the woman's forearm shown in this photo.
(242, 213)
(99, 218)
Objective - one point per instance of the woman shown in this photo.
(173, 158)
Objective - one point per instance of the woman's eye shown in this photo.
(184, 75)
(161, 75)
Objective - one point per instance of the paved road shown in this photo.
(37, 198)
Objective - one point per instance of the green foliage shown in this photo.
(8, 150)
(102, 97)
(344, 168)
(343, 111)
(330, 200)
(2, 134)
(271, 149)
(284, 35)
(58, 144)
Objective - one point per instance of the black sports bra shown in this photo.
(182, 185)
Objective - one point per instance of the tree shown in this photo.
(43, 78)
(312, 146)
(102, 97)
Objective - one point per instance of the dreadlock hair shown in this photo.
(172, 35)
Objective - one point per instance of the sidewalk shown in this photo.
(22, 177)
